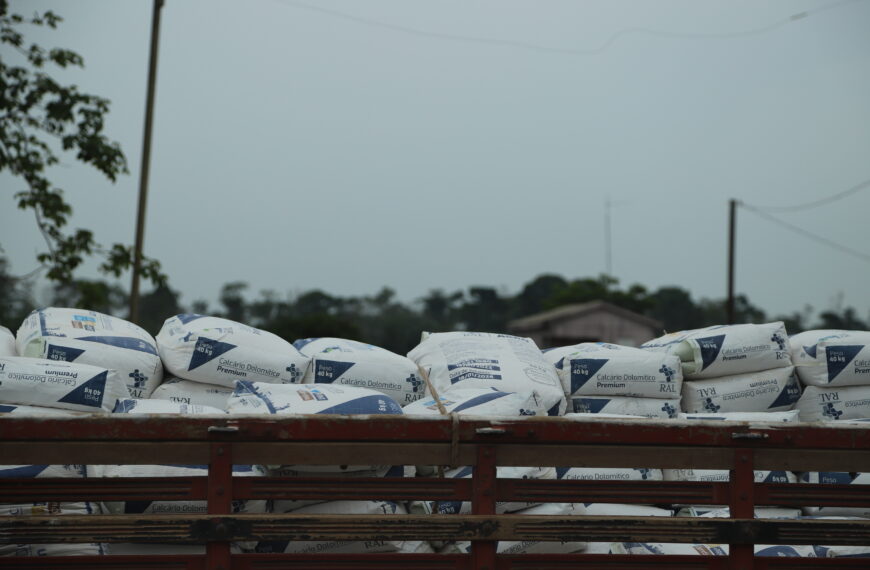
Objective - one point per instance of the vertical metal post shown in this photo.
(144, 167)
(220, 502)
(608, 253)
(732, 226)
(742, 505)
(483, 482)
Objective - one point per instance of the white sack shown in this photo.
(219, 351)
(48, 508)
(532, 546)
(351, 363)
(725, 350)
(89, 337)
(7, 342)
(22, 410)
(831, 404)
(190, 392)
(725, 512)
(152, 406)
(778, 550)
(335, 546)
(464, 507)
(722, 475)
(789, 416)
(53, 384)
(484, 360)
(288, 399)
(597, 369)
(283, 399)
(343, 471)
(766, 391)
(480, 402)
(620, 510)
(609, 474)
(832, 358)
(624, 405)
(836, 478)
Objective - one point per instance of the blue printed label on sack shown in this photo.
(88, 394)
(207, 349)
(188, 317)
(790, 394)
(478, 400)
(582, 370)
(127, 342)
(709, 347)
(589, 405)
(64, 353)
(328, 371)
(376, 404)
(839, 357)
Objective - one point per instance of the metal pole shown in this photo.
(608, 265)
(146, 162)
(732, 224)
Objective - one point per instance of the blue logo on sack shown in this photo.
(668, 372)
(670, 410)
(416, 383)
(294, 373)
(710, 406)
(777, 338)
(830, 411)
(139, 379)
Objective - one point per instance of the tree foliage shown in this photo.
(40, 119)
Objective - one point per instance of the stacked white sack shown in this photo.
(595, 369)
(593, 374)
(480, 402)
(464, 507)
(289, 399)
(644, 548)
(219, 351)
(624, 406)
(350, 363)
(53, 384)
(832, 404)
(190, 392)
(832, 358)
(42, 507)
(716, 475)
(836, 478)
(726, 350)
(485, 360)
(7, 342)
(89, 337)
(531, 546)
(165, 407)
(773, 390)
(346, 547)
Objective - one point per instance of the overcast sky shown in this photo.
(349, 144)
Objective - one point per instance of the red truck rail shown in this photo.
(222, 441)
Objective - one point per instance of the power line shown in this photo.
(797, 229)
(822, 201)
(565, 51)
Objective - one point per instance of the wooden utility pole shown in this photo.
(732, 223)
(146, 163)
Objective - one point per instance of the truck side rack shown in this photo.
(484, 443)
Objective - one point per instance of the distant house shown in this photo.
(596, 321)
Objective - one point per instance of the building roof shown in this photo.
(540, 320)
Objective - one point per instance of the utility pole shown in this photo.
(732, 225)
(146, 162)
(608, 261)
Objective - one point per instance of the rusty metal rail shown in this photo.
(483, 443)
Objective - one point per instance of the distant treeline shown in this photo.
(383, 320)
